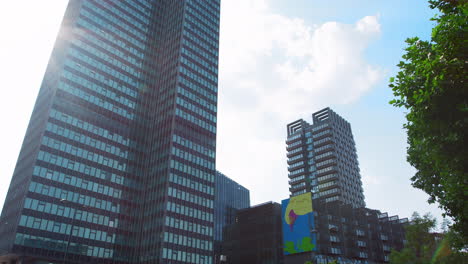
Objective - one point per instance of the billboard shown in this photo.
(298, 221)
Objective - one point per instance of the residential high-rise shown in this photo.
(229, 198)
(322, 159)
(118, 161)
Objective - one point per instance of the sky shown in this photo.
(280, 60)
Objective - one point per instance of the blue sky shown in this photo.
(280, 60)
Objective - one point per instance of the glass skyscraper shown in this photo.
(322, 159)
(118, 161)
(230, 196)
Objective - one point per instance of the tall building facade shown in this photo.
(322, 159)
(118, 161)
(352, 235)
(256, 236)
(230, 196)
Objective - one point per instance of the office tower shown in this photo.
(118, 161)
(229, 198)
(322, 159)
(256, 236)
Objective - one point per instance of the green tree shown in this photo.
(432, 86)
(420, 244)
(423, 246)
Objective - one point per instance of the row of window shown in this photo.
(295, 158)
(95, 100)
(70, 196)
(294, 144)
(98, 29)
(189, 211)
(136, 4)
(325, 170)
(60, 210)
(108, 58)
(317, 128)
(296, 165)
(117, 47)
(207, 9)
(130, 79)
(302, 184)
(293, 136)
(187, 257)
(324, 155)
(89, 127)
(200, 59)
(62, 228)
(296, 172)
(213, 76)
(189, 197)
(209, 5)
(61, 245)
(102, 17)
(328, 131)
(191, 184)
(108, 93)
(208, 52)
(193, 146)
(327, 184)
(201, 35)
(323, 140)
(196, 109)
(196, 77)
(197, 99)
(327, 192)
(141, 22)
(322, 148)
(295, 151)
(189, 226)
(199, 27)
(298, 192)
(77, 182)
(82, 168)
(195, 120)
(192, 158)
(327, 177)
(297, 179)
(82, 153)
(78, 137)
(198, 88)
(192, 171)
(187, 241)
(326, 162)
(205, 23)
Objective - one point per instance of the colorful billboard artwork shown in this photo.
(298, 220)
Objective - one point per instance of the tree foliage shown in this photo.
(423, 246)
(432, 86)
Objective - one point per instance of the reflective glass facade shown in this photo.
(322, 159)
(229, 198)
(118, 161)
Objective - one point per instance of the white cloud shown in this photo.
(273, 70)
